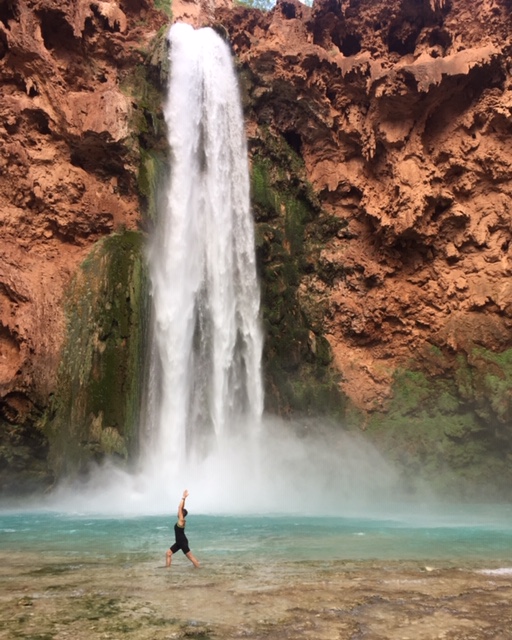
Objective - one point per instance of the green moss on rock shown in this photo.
(152, 167)
(23, 457)
(146, 86)
(299, 377)
(165, 6)
(488, 384)
(452, 431)
(95, 410)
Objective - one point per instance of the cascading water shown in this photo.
(204, 427)
(208, 433)
(205, 289)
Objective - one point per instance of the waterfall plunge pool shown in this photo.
(443, 572)
(476, 534)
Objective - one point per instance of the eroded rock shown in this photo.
(401, 113)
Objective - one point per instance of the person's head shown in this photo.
(185, 513)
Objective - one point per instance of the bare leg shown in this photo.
(192, 559)
(168, 558)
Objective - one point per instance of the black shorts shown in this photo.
(181, 540)
(183, 546)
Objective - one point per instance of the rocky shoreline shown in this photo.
(52, 597)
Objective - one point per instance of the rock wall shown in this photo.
(402, 114)
(379, 138)
(72, 124)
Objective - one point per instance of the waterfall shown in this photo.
(208, 340)
(204, 428)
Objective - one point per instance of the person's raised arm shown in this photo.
(181, 506)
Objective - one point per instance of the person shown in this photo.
(179, 533)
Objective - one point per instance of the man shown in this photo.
(181, 538)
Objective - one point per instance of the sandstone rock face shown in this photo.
(198, 13)
(68, 165)
(402, 113)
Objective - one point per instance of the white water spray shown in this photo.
(206, 292)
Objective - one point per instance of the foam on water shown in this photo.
(282, 472)
(502, 571)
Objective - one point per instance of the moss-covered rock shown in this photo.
(146, 87)
(95, 410)
(297, 359)
(153, 166)
(452, 430)
(23, 457)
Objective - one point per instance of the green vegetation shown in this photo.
(153, 165)
(145, 85)
(485, 379)
(165, 6)
(297, 358)
(23, 453)
(452, 431)
(95, 410)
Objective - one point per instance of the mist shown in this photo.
(304, 468)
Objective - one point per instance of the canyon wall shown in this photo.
(379, 142)
(73, 126)
(400, 115)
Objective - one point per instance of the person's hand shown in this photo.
(185, 494)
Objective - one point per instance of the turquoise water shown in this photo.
(463, 535)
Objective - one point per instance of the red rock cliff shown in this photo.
(68, 167)
(402, 112)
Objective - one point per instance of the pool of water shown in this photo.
(458, 535)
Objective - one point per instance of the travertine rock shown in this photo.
(68, 165)
(198, 13)
(402, 113)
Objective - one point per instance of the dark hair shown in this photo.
(185, 513)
